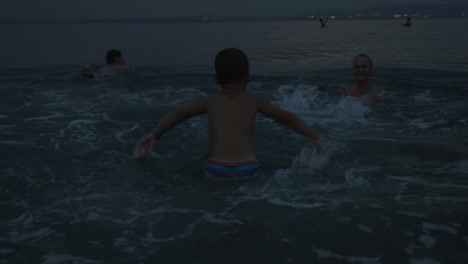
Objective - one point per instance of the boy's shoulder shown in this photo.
(245, 97)
(234, 93)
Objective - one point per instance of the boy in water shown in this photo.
(115, 64)
(231, 116)
(362, 68)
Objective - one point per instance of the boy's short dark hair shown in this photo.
(231, 66)
(112, 55)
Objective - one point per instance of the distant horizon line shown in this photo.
(378, 12)
(225, 18)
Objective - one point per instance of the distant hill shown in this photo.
(422, 10)
(415, 10)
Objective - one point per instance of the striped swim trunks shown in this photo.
(231, 170)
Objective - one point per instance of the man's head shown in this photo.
(232, 66)
(114, 57)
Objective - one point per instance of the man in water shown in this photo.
(323, 23)
(408, 22)
(367, 93)
(231, 116)
(115, 64)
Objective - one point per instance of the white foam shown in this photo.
(365, 228)
(7, 126)
(6, 251)
(138, 153)
(216, 219)
(119, 136)
(463, 167)
(281, 202)
(348, 110)
(353, 180)
(82, 132)
(322, 253)
(412, 214)
(427, 241)
(52, 258)
(315, 107)
(431, 227)
(309, 159)
(42, 233)
(13, 142)
(420, 123)
(423, 261)
(43, 118)
(122, 244)
(424, 97)
(300, 98)
(412, 247)
(423, 182)
(149, 237)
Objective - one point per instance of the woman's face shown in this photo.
(362, 68)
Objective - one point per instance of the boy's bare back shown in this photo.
(231, 115)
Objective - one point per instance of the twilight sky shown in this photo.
(115, 9)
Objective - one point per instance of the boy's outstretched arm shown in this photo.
(290, 120)
(148, 143)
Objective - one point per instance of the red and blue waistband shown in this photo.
(222, 169)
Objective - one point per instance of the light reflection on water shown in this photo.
(282, 47)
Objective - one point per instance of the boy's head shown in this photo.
(114, 56)
(232, 66)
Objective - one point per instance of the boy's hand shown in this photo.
(146, 146)
(322, 146)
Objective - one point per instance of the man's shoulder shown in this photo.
(110, 69)
(104, 70)
(123, 67)
(118, 68)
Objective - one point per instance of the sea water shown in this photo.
(391, 189)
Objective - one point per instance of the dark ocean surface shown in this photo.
(392, 188)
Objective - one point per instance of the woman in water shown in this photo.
(362, 69)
